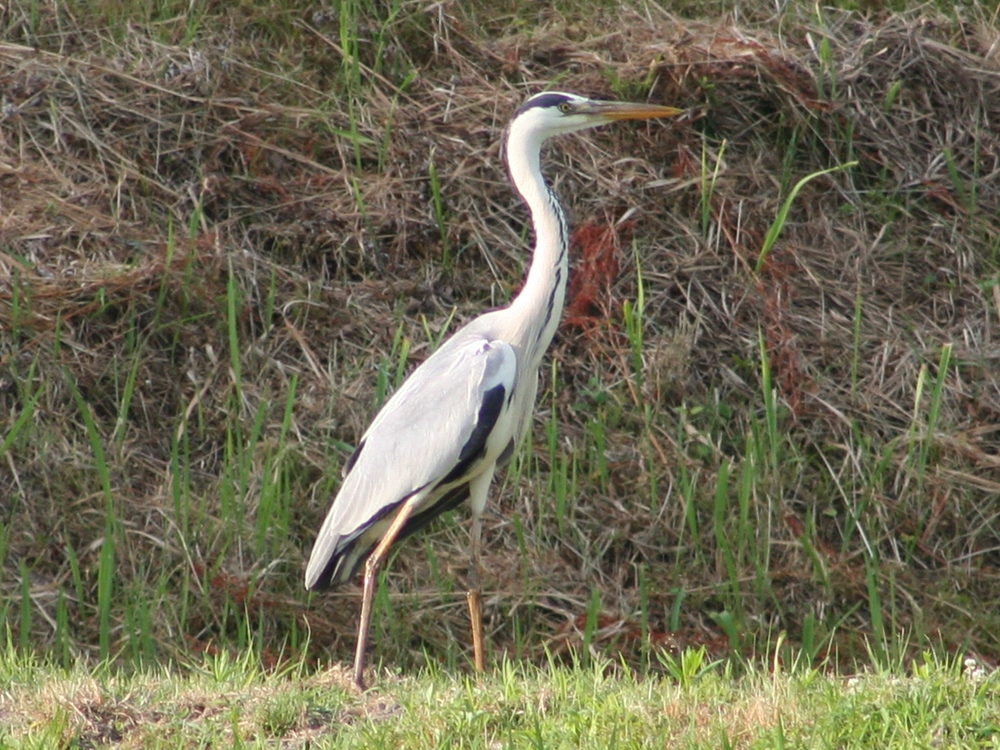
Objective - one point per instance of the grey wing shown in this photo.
(448, 422)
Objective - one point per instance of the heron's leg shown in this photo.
(478, 493)
(372, 567)
(475, 597)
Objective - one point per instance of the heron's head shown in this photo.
(555, 113)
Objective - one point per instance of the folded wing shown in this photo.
(450, 421)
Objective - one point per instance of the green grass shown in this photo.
(234, 702)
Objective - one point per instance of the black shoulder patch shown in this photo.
(551, 99)
(475, 446)
(353, 459)
(489, 413)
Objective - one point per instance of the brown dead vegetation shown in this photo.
(144, 193)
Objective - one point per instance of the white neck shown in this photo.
(540, 303)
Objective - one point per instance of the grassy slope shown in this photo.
(228, 235)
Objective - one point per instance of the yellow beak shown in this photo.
(627, 110)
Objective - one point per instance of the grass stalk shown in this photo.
(722, 535)
(106, 562)
(769, 393)
(440, 215)
(708, 185)
(590, 628)
(26, 607)
(633, 313)
(128, 391)
(233, 307)
(856, 343)
(29, 400)
(781, 219)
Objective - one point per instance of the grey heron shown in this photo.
(459, 416)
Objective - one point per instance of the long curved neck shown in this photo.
(539, 306)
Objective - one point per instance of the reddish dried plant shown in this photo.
(597, 246)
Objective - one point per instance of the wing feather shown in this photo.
(449, 421)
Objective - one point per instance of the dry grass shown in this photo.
(158, 197)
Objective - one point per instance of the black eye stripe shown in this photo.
(544, 100)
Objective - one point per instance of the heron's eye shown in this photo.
(565, 108)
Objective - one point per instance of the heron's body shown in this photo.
(428, 429)
(459, 416)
